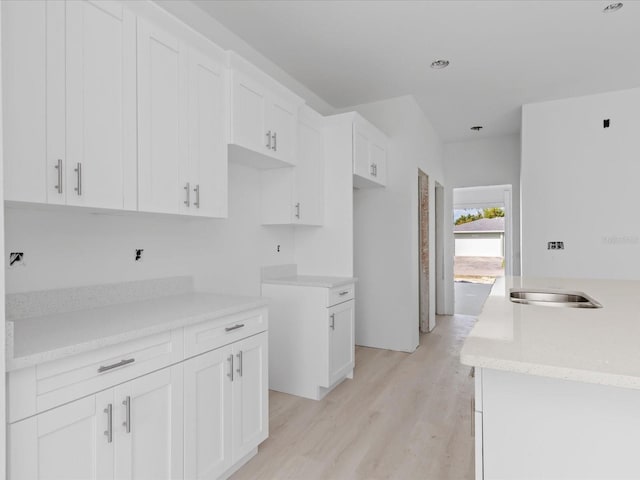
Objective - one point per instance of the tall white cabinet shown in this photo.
(69, 92)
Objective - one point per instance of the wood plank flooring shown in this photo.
(403, 416)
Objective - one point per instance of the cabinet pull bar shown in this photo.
(235, 327)
(109, 431)
(269, 139)
(275, 142)
(197, 202)
(127, 416)
(78, 171)
(298, 210)
(343, 293)
(239, 370)
(121, 363)
(230, 374)
(333, 321)
(187, 188)
(58, 167)
(473, 417)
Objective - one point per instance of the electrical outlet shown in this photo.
(16, 259)
(555, 245)
(139, 252)
(278, 248)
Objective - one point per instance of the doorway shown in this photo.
(423, 222)
(482, 244)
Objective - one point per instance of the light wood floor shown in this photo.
(403, 416)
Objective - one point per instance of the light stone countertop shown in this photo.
(49, 337)
(600, 346)
(311, 281)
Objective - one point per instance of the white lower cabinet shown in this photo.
(311, 338)
(226, 406)
(199, 418)
(133, 431)
(67, 442)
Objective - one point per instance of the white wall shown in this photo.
(580, 186)
(479, 245)
(490, 161)
(386, 228)
(66, 247)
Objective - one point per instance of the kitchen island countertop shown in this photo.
(593, 345)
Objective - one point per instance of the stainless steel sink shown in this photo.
(552, 298)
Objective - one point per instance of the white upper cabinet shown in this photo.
(296, 195)
(207, 124)
(264, 118)
(100, 120)
(69, 91)
(162, 146)
(182, 158)
(369, 155)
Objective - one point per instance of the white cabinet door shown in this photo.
(207, 414)
(369, 155)
(101, 105)
(361, 156)
(250, 394)
(378, 152)
(33, 100)
(341, 340)
(309, 174)
(207, 142)
(148, 426)
(162, 119)
(66, 443)
(248, 114)
(282, 119)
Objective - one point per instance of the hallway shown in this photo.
(403, 416)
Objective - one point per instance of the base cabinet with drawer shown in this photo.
(119, 433)
(311, 336)
(226, 406)
(188, 403)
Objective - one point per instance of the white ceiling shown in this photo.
(503, 53)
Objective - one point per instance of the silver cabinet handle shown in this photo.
(275, 141)
(58, 167)
(269, 139)
(333, 321)
(235, 327)
(187, 189)
(127, 415)
(298, 210)
(230, 374)
(78, 171)
(109, 431)
(121, 363)
(473, 417)
(239, 370)
(343, 293)
(197, 191)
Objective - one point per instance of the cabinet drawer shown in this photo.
(341, 294)
(212, 334)
(36, 389)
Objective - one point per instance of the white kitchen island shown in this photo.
(558, 389)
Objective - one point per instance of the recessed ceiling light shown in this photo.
(440, 64)
(614, 7)
(477, 128)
